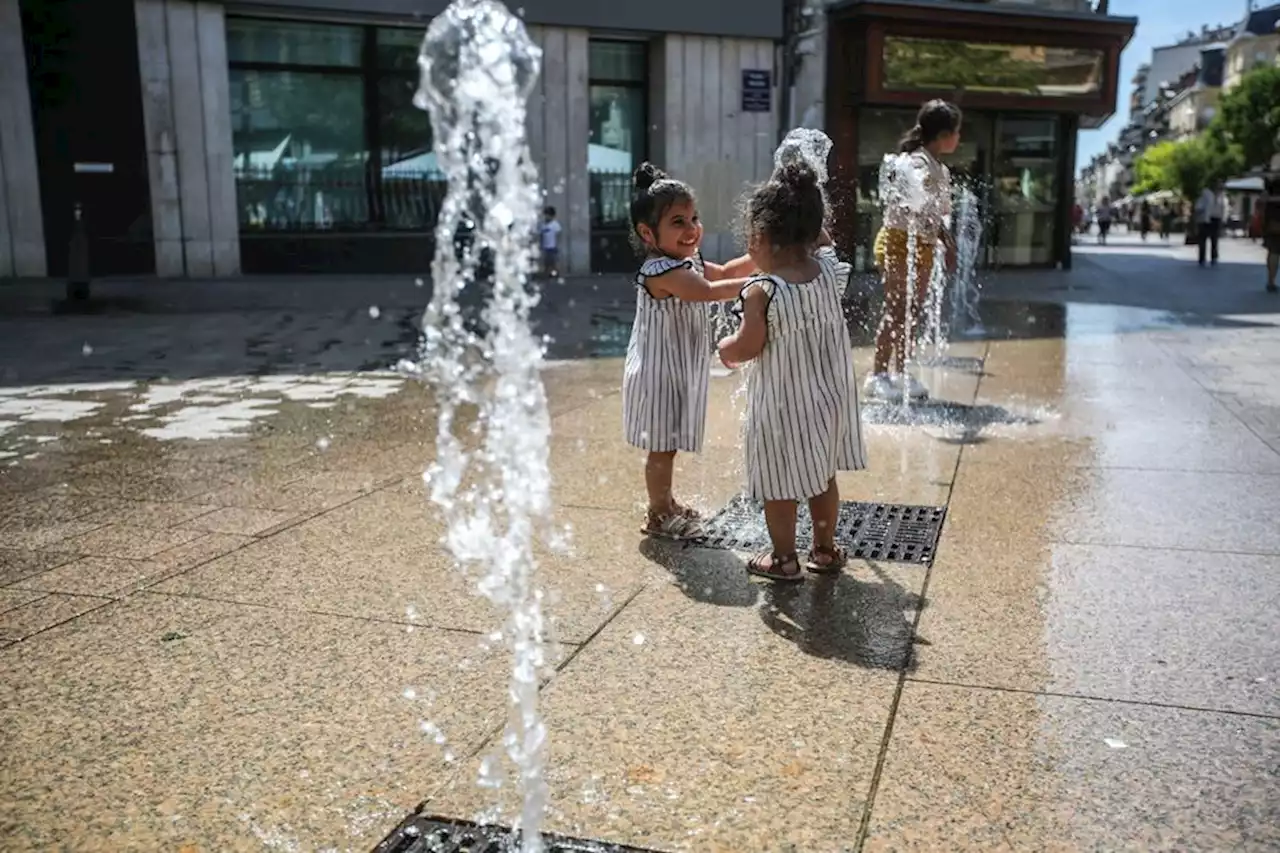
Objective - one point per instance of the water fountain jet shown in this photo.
(478, 67)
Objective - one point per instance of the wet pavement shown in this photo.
(225, 614)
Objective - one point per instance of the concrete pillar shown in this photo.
(187, 114)
(22, 249)
(578, 191)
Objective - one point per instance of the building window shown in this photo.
(324, 133)
(917, 64)
(618, 92)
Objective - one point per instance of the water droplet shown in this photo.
(638, 639)
(417, 282)
(599, 587)
(323, 443)
(1116, 743)
(410, 694)
(449, 757)
(374, 312)
(87, 349)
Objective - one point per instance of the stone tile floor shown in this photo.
(225, 615)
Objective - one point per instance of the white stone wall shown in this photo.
(559, 128)
(699, 132)
(182, 52)
(22, 250)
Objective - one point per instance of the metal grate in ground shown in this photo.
(419, 833)
(868, 531)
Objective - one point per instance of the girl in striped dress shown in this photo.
(668, 367)
(802, 400)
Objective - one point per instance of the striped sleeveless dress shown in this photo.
(802, 399)
(668, 367)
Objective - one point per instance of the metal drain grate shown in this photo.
(868, 531)
(421, 834)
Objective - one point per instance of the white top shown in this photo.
(668, 367)
(802, 423)
(1210, 206)
(550, 235)
(937, 184)
(1104, 212)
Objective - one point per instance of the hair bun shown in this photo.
(646, 175)
(798, 175)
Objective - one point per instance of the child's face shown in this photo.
(679, 231)
(949, 142)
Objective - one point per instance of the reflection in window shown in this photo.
(942, 65)
(1026, 177)
(325, 133)
(251, 40)
(299, 150)
(619, 136)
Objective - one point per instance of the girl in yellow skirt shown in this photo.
(936, 133)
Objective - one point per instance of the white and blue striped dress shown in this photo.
(668, 368)
(802, 399)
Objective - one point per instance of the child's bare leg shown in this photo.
(824, 509)
(825, 558)
(889, 335)
(781, 564)
(780, 518)
(658, 470)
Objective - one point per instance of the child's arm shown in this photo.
(736, 268)
(688, 285)
(824, 239)
(748, 342)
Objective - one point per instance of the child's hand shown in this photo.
(724, 344)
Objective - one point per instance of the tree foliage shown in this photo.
(1187, 167)
(1250, 115)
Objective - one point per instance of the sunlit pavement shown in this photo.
(225, 616)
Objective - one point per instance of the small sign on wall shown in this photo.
(757, 91)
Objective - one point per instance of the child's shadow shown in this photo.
(703, 574)
(868, 623)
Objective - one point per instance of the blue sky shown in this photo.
(1160, 22)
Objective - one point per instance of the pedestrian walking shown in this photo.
(1210, 210)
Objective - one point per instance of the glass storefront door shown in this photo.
(1026, 182)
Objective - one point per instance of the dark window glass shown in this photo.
(398, 49)
(621, 61)
(300, 154)
(251, 40)
(942, 65)
(618, 94)
(412, 186)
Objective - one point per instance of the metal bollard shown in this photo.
(78, 259)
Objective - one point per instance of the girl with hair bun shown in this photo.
(668, 366)
(802, 422)
(936, 133)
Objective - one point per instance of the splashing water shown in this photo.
(808, 146)
(902, 185)
(478, 68)
(965, 289)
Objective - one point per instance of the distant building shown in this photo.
(205, 138)
(1255, 42)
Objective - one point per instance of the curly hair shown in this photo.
(788, 210)
(654, 192)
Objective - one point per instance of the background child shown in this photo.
(550, 241)
(668, 367)
(802, 409)
(936, 133)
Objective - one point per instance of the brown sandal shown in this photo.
(682, 524)
(776, 563)
(826, 561)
